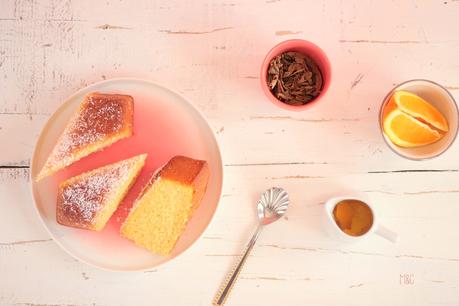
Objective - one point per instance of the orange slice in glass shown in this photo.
(406, 131)
(419, 108)
(410, 121)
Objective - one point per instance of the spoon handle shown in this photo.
(226, 287)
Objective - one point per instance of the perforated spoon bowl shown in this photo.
(271, 206)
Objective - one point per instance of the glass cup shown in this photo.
(439, 97)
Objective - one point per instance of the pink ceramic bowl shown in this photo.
(304, 47)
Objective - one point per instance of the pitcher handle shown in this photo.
(386, 233)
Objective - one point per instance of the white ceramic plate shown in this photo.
(165, 125)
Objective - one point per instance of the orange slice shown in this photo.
(406, 131)
(410, 121)
(419, 108)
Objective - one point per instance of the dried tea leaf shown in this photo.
(294, 78)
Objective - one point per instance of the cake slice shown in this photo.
(101, 120)
(88, 200)
(160, 214)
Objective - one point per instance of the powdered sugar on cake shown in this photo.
(83, 199)
(98, 118)
(101, 120)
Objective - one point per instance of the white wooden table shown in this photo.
(211, 52)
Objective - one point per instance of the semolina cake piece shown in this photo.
(88, 200)
(101, 120)
(160, 214)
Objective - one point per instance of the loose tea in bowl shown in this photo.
(295, 74)
(294, 78)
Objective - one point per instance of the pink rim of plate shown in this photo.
(305, 47)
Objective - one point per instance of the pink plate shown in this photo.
(165, 125)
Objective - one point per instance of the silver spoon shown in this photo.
(271, 206)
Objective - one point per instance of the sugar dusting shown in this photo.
(82, 200)
(99, 116)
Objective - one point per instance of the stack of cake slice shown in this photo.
(87, 201)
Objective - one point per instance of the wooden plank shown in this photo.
(349, 271)
(38, 39)
(18, 134)
(211, 51)
(296, 137)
